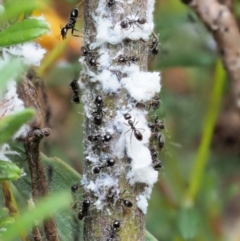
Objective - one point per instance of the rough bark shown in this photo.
(97, 225)
(32, 97)
(221, 22)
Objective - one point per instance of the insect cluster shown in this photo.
(106, 73)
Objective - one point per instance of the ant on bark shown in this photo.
(109, 163)
(98, 113)
(132, 124)
(129, 22)
(114, 228)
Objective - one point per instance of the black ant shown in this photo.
(154, 45)
(155, 102)
(86, 51)
(84, 211)
(127, 59)
(92, 60)
(128, 22)
(111, 194)
(158, 124)
(98, 113)
(71, 24)
(126, 203)
(114, 228)
(161, 141)
(100, 139)
(76, 91)
(75, 187)
(140, 105)
(109, 163)
(155, 162)
(132, 124)
(110, 3)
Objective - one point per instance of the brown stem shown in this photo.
(98, 225)
(31, 90)
(9, 199)
(228, 3)
(39, 183)
(221, 22)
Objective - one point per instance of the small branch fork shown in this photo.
(39, 183)
(30, 90)
(221, 22)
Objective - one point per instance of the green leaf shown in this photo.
(187, 222)
(149, 237)
(11, 123)
(23, 31)
(4, 223)
(60, 176)
(14, 8)
(9, 171)
(44, 208)
(7, 73)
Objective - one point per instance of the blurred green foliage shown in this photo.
(193, 86)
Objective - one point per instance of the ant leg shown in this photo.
(127, 131)
(77, 36)
(76, 30)
(131, 137)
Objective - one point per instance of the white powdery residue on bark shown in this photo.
(149, 15)
(142, 203)
(107, 33)
(100, 188)
(109, 81)
(31, 54)
(142, 85)
(11, 104)
(139, 85)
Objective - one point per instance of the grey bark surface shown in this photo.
(97, 224)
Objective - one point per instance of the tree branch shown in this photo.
(31, 97)
(222, 24)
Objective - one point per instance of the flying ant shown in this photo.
(85, 207)
(132, 124)
(71, 24)
(98, 113)
(127, 59)
(155, 102)
(158, 124)
(154, 45)
(114, 228)
(76, 91)
(109, 163)
(155, 162)
(128, 22)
